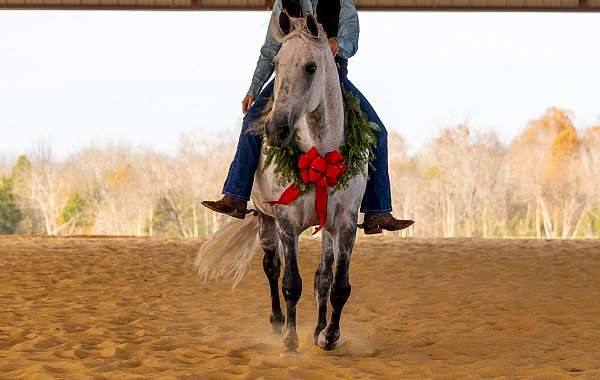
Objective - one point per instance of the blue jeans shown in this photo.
(377, 197)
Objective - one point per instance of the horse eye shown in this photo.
(310, 68)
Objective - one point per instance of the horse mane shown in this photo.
(259, 125)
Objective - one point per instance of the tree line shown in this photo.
(463, 183)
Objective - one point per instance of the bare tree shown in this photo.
(464, 182)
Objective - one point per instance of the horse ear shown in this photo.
(284, 22)
(292, 7)
(311, 24)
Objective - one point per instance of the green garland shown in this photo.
(358, 151)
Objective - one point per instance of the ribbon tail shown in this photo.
(321, 206)
(288, 196)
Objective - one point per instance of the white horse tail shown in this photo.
(228, 253)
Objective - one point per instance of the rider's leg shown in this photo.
(377, 200)
(238, 185)
(241, 171)
(377, 196)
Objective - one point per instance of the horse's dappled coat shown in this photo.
(308, 104)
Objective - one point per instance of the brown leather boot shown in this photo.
(376, 223)
(229, 205)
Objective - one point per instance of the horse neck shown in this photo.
(324, 127)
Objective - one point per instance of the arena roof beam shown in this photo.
(366, 5)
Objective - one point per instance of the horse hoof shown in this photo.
(318, 330)
(328, 344)
(277, 329)
(290, 342)
(277, 323)
(289, 354)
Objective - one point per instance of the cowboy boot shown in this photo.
(229, 205)
(375, 223)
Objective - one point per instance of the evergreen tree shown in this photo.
(21, 169)
(10, 215)
(76, 213)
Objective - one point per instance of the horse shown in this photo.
(307, 103)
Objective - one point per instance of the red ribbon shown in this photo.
(323, 172)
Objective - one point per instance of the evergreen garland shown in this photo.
(358, 150)
(361, 139)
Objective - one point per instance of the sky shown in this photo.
(145, 77)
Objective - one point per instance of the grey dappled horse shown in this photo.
(308, 101)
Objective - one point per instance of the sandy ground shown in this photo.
(122, 308)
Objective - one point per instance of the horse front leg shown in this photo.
(272, 268)
(291, 283)
(343, 242)
(323, 278)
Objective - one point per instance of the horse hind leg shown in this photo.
(272, 268)
(343, 242)
(323, 279)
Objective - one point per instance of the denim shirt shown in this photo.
(347, 39)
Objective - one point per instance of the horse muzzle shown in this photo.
(279, 131)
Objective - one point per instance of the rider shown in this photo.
(340, 21)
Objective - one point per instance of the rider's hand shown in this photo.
(333, 45)
(246, 103)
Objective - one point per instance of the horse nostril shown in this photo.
(284, 132)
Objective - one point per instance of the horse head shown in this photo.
(300, 74)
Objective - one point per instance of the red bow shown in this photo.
(322, 172)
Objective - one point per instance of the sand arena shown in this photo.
(131, 308)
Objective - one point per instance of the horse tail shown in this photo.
(228, 253)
